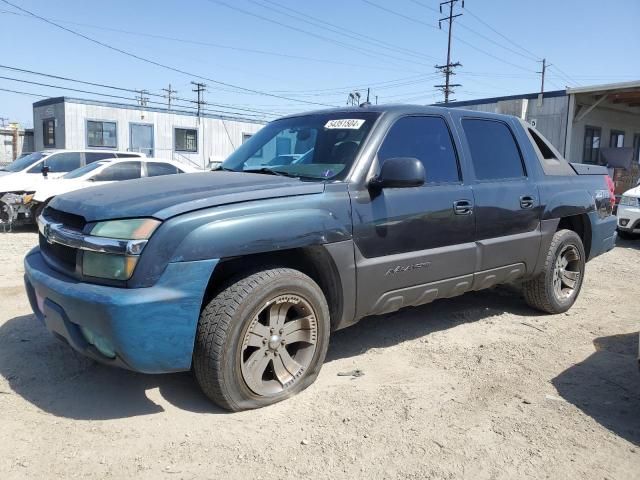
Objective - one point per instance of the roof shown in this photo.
(618, 93)
(59, 100)
(607, 87)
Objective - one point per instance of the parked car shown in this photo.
(21, 177)
(242, 274)
(629, 213)
(101, 173)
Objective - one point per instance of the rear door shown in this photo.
(507, 204)
(414, 245)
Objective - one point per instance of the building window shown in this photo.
(101, 134)
(591, 145)
(49, 132)
(636, 148)
(616, 140)
(186, 140)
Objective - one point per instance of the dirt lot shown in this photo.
(477, 387)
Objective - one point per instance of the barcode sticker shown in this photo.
(345, 123)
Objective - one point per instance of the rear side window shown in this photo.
(427, 139)
(91, 157)
(155, 169)
(543, 148)
(493, 148)
(119, 171)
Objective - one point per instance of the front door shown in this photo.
(414, 245)
(141, 138)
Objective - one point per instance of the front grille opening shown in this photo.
(69, 220)
(65, 256)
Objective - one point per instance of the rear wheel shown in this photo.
(262, 339)
(557, 287)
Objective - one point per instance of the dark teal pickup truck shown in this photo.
(317, 221)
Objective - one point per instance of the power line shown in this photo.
(118, 97)
(420, 22)
(475, 32)
(23, 93)
(122, 89)
(210, 44)
(501, 35)
(361, 50)
(158, 64)
(341, 30)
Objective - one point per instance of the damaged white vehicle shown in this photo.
(101, 173)
(21, 178)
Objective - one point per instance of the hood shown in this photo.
(170, 195)
(634, 192)
(21, 182)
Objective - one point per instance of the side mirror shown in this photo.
(45, 170)
(399, 172)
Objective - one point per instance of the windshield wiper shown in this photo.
(270, 171)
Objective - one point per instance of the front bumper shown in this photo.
(151, 330)
(628, 219)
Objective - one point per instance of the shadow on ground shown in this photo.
(606, 385)
(632, 243)
(53, 377)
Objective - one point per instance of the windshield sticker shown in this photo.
(348, 123)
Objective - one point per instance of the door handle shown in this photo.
(526, 201)
(462, 207)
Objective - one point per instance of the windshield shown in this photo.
(319, 147)
(79, 172)
(24, 162)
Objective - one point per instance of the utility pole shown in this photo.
(3, 121)
(169, 95)
(200, 89)
(542, 74)
(142, 97)
(448, 68)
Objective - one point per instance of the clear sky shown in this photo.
(312, 51)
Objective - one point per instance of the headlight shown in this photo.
(132, 229)
(106, 265)
(116, 266)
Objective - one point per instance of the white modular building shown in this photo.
(197, 140)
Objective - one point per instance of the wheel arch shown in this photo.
(314, 261)
(581, 225)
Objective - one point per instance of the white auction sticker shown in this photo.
(349, 123)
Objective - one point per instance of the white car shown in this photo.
(629, 213)
(24, 175)
(101, 173)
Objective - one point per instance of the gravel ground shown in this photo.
(478, 387)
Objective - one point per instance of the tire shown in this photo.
(228, 352)
(541, 292)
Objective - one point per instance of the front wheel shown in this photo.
(262, 339)
(557, 287)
